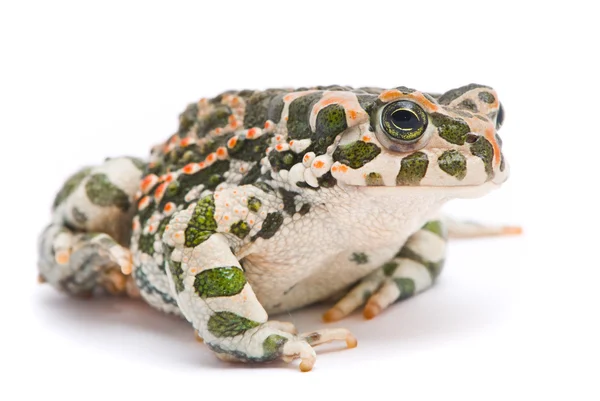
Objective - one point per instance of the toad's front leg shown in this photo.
(213, 294)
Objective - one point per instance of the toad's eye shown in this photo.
(403, 125)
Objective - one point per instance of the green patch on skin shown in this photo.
(331, 121)
(177, 275)
(366, 295)
(283, 160)
(102, 192)
(452, 130)
(270, 226)
(240, 229)
(502, 163)
(298, 116)
(219, 282)
(434, 268)
(289, 205)
(405, 90)
(276, 108)
(202, 224)
(327, 180)
(218, 118)
(374, 179)
(356, 154)
(453, 163)
(146, 243)
(257, 108)
(254, 204)
(469, 105)
(304, 209)
(145, 286)
(273, 346)
(228, 324)
(486, 97)
(360, 258)
(187, 119)
(483, 149)
(71, 185)
(453, 94)
(389, 268)
(210, 177)
(412, 169)
(250, 150)
(406, 287)
(436, 227)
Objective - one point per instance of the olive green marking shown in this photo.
(469, 105)
(263, 186)
(283, 160)
(452, 130)
(406, 287)
(102, 192)
(304, 209)
(374, 179)
(389, 268)
(298, 116)
(146, 243)
(250, 150)
(270, 226)
(356, 154)
(436, 227)
(289, 205)
(327, 180)
(144, 285)
(219, 282)
(177, 275)
(257, 108)
(240, 229)
(210, 177)
(331, 121)
(412, 169)
(218, 118)
(251, 176)
(434, 268)
(502, 163)
(202, 224)
(483, 149)
(227, 324)
(405, 90)
(273, 346)
(453, 163)
(360, 258)
(276, 109)
(453, 94)
(187, 119)
(254, 204)
(366, 102)
(486, 97)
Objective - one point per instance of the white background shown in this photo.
(513, 317)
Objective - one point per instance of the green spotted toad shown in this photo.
(267, 201)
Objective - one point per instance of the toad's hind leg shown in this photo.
(412, 270)
(213, 294)
(85, 247)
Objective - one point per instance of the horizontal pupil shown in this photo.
(406, 120)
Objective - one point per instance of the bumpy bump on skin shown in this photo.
(412, 169)
(102, 192)
(483, 149)
(254, 204)
(202, 224)
(453, 130)
(71, 185)
(219, 282)
(356, 154)
(331, 121)
(228, 324)
(453, 163)
(486, 97)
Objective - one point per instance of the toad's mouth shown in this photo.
(458, 191)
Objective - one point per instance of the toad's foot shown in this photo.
(413, 269)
